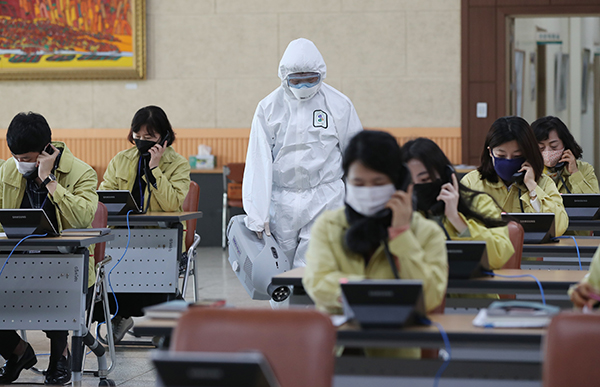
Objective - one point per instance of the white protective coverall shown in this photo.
(294, 161)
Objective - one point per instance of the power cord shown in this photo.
(576, 247)
(447, 356)
(13, 250)
(520, 276)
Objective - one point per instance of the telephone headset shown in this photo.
(519, 177)
(446, 178)
(163, 141)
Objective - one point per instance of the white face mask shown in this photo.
(368, 201)
(305, 92)
(25, 167)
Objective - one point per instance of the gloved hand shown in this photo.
(267, 231)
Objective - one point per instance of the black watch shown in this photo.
(47, 181)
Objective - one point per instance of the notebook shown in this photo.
(467, 259)
(118, 202)
(21, 222)
(213, 369)
(384, 303)
(582, 206)
(538, 227)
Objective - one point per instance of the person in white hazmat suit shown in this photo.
(294, 162)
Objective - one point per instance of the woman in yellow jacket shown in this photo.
(464, 214)
(350, 243)
(587, 292)
(511, 148)
(152, 160)
(562, 155)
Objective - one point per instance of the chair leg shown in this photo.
(224, 225)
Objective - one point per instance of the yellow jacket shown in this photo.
(584, 181)
(547, 195)
(497, 241)
(420, 250)
(75, 198)
(593, 276)
(172, 178)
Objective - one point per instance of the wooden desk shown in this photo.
(554, 282)
(461, 334)
(565, 247)
(584, 225)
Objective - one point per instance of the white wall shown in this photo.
(211, 61)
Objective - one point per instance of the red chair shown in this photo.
(298, 344)
(516, 235)
(233, 173)
(571, 350)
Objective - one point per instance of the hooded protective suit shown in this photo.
(294, 161)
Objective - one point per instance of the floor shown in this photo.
(133, 367)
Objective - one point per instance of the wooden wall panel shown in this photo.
(479, 127)
(482, 44)
(98, 146)
(522, 2)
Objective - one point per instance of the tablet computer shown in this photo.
(538, 227)
(467, 259)
(582, 206)
(22, 222)
(384, 303)
(118, 202)
(213, 369)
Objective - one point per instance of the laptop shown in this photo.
(538, 227)
(384, 303)
(118, 202)
(467, 259)
(213, 369)
(21, 222)
(582, 206)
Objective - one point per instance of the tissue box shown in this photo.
(205, 161)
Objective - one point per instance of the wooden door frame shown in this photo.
(472, 34)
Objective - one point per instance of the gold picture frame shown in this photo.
(72, 39)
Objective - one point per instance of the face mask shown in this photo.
(551, 157)
(304, 93)
(26, 168)
(506, 168)
(143, 145)
(368, 201)
(426, 194)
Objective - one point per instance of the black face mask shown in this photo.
(144, 145)
(425, 195)
(366, 233)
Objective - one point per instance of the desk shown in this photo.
(584, 225)
(462, 336)
(150, 265)
(47, 290)
(554, 282)
(563, 248)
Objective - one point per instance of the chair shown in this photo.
(101, 284)
(571, 350)
(192, 239)
(516, 234)
(298, 344)
(233, 174)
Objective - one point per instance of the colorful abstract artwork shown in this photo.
(45, 39)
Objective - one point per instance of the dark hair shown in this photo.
(436, 163)
(28, 132)
(543, 126)
(156, 121)
(378, 151)
(506, 129)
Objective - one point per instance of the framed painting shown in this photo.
(72, 39)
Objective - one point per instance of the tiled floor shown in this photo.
(133, 367)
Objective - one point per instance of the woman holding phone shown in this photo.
(158, 179)
(376, 235)
(464, 214)
(511, 172)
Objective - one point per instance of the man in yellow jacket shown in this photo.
(44, 174)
